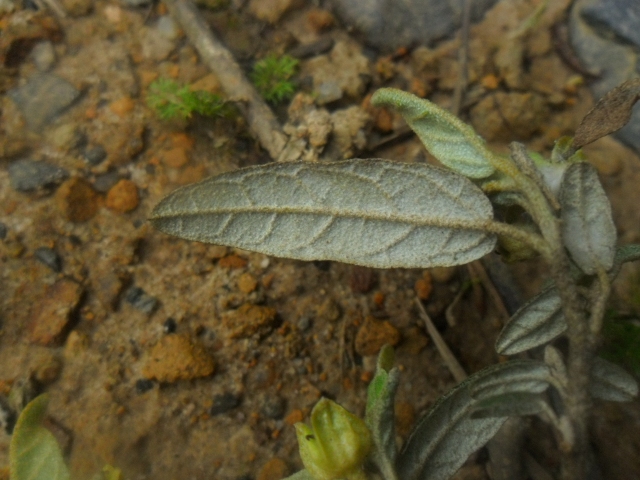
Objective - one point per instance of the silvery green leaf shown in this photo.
(447, 138)
(611, 382)
(380, 413)
(445, 437)
(34, 453)
(627, 253)
(530, 376)
(301, 475)
(509, 405)
(374, 213)
(539, 321)
(587, 224)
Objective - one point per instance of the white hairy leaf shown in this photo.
(587, 223)
(445, 437)
(447, 138)
(611, 382)
(529, 376)
(539, 321)
(375, 213)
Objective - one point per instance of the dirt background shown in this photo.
(171, 359)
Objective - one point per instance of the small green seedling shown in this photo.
(385, 214)
(272, 77)
(171, 100)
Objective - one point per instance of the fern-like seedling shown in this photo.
(272, 77)
(171, 100)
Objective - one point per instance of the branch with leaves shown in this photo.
(384, 214)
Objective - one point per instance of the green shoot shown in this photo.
(171, 100)
(272, 75)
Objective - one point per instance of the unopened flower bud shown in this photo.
(336, 445)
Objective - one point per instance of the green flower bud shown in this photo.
(336, 445)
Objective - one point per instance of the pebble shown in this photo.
(3, 231)
(269, 10)
(232, 261)
(247, 283)
(27, 175)
(176, 357)
(249, 320)
(95, 155)
(294, 417)
(389, 24)
(143, 385)
(272, 406)
(304, 323)
(122, 106)
(105, 181)
(373, 335)
(43, 98)
(168, 28)
(424, 286)
(223, 403)
(123, 196)
(141, 300)
(77, 200)
(66, 137)
(274, 469)
(49, 257)
(175, 157)
(43, 56)
(53, 313)
(169, 326)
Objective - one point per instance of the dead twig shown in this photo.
(443, 349)
(262, 122)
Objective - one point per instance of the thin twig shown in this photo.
(261, 120)
(463, 59)
(443, 349)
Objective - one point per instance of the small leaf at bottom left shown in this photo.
(34, 452)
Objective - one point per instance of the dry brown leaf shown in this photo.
(611, 113)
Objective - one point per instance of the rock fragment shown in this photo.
(223, 403)
(77, 200)
(52, 317)
(49, 257)
(249, 320)
(373, 335)
(141, 300)
(176, 357)
(123, 196)
(28, 175)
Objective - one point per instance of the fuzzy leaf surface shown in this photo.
(611, 382)
(34, 453)
(380, 415)
(447, 138)
(537, 322)
(509, 405)
(529, 376)
(587, 223)
(445, 437)
(375, 213)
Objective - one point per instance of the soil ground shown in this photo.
(171, 359)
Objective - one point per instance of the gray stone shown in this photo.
(223, 403)
(390, 24)
(43, 98)
(49, 257)
(95, 155)
(614, 18)
(105, 181)
(43, 56)
(607, 49)
(28, 175)
(141, 300)
(272, 406)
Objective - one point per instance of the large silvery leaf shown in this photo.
(34, 453)
(587, 224)
(380, 413)
(530, 376)
(509, 405)
(445, 437)
(539, 321)
(447, 138)
(375, 213)
(611, 382)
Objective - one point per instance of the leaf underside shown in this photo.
(34, 452)
(372, 212)
(587, 223)
(539, 321)
(445, 437)
(451, 141)
(611, 382)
